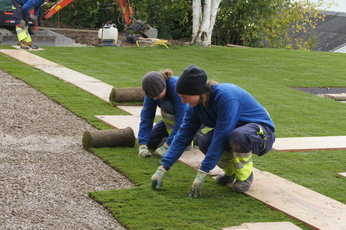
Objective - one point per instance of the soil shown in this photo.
(45, 173)
(90, 37)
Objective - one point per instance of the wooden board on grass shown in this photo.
(87, 83)
(308, 206)
(309, 143)
(121, 121)
(265, 226)
(342, 174)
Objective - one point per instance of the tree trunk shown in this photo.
(196, 18)
(203, 26)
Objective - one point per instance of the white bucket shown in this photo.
(108, 33)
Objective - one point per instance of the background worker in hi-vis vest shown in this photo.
(239, 124)
(21, 13)
(159, 89)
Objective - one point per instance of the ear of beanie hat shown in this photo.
(153, 83)
(193, 81)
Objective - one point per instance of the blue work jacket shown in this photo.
(149, 110)
(229, 107)
(31, 4)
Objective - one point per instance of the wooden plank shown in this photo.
(336, 96)
(308, 206)
(121, 121)
(309, 143)
(342, 174)
(87, 83)
(136, 110)
(265, 226)
(27, 57)
(193, 159)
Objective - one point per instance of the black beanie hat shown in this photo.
(193, 81)
(153, 84)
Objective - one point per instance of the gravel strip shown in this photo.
(45, 174)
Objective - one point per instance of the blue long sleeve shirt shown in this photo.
(27, 5)
(229, 107)
(149, 110)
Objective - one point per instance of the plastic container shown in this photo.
(108, 33)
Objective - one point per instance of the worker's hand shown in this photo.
(156, 179)
(143, 151)
(33, 17)
(161, 151)
(196, 188)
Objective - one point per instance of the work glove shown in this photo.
(161, 151)
(33, 17)
(22, 24)
(156, 179)
(143, 151)
(196, 188)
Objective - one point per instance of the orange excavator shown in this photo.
(131, 24)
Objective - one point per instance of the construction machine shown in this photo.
(131, 24)
(7, 19)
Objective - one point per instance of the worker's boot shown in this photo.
(225, 179)
(243, 186)
(24, 45)
(33, 45)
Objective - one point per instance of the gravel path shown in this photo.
(44, 172)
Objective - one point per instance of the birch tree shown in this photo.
(203, 21)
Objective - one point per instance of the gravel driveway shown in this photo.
(44, 172)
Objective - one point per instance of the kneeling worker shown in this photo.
(159, 88)
(240, 126)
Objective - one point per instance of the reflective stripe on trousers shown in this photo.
(23, 34)
(239, 164)
(169, 120)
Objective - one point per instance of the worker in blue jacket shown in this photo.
(22, 15)
(159, 88)
(238, 126)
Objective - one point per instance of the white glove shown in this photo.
(156, 179)
(196, 188)
(143, 151)
(33, 17)
(22, 24)
(161, 151)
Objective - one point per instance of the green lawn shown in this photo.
(269, 74)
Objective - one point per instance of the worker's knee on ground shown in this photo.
(238, 142)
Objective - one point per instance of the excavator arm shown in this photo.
(124, 5)
(56, 8)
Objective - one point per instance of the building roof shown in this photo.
(330, 34)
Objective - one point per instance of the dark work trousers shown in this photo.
(18, 13)
(159, 131)
(243, 139)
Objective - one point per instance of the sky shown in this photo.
(340, 5)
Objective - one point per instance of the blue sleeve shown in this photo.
(147, 120)
(179, 115)
(183, 138)
(227, 117)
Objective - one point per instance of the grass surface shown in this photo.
(269, 74)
